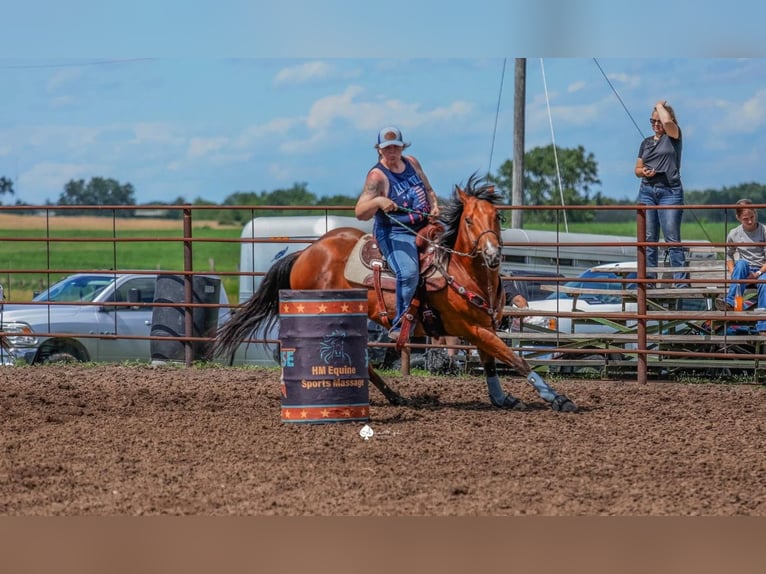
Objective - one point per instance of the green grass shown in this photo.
(145, 250)
(690, 231)
(213, 251)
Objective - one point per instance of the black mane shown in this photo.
(452, 211)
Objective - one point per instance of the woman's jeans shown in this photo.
(669, 220)
(742, 270)
(398, 246)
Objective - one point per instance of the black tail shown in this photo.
(260, 311)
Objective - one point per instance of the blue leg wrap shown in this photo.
(543, 389)
(495, 389)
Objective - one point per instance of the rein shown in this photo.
(474, 298)
(435, 243)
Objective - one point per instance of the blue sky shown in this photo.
(232, 97)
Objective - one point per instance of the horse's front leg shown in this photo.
(391, 395)
(497, 396)
(491, 347)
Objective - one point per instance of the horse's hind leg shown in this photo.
(393, 397)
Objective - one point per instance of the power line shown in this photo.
(73, 64)
(497, 114)
(619, 98)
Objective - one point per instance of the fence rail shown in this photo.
(114, 247)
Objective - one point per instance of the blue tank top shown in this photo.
(408, 191)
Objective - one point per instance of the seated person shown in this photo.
(745, 259)
(513, 297)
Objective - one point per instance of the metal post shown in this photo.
(188, 289)
(519, 104)
(641, 357)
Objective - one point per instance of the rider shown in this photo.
(398, 194)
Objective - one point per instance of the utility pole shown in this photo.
(519, 99)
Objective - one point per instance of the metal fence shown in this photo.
(642, 348)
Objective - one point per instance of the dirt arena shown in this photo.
(125, 440)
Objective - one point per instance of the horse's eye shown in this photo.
(468, 221)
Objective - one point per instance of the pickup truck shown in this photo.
(96, 317)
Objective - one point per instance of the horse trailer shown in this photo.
(570, 254)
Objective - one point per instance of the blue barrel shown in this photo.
(323, 353)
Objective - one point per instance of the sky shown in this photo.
(205, 100)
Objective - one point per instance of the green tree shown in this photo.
(6, 185)
(577, 170)
(756, 192)
(98, 191)
(298, 194)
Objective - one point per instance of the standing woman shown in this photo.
(398, 195)
(659, 167)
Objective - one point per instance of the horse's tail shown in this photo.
(261, 311)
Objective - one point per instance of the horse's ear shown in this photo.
(491, 188)
(461, 195)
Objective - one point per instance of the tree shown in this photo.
(578, 171)
(6, 185)
(98, 191)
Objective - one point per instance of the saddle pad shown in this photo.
(366, 254)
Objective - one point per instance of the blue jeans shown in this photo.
(669, 220)
(398, 246)
(742, 270)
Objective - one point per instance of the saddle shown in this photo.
(367, 266)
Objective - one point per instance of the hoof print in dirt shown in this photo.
(562, 404)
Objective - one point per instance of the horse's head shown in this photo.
(472, 222)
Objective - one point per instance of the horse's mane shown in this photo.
(452, 211)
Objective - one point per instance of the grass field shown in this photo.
(34, 243)
(37, 244)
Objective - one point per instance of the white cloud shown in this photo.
(47, 179)
(62, 102)
(61, 136)
(303, 73)
(275, 127)
(148, 132)
(575, 86)
(199, 147)
(627, 80)
(368, 115)
(279, 171)
(63, 78)
(750, 116)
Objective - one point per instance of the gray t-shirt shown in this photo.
(755, 255)
(664, 157)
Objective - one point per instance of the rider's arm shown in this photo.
(373, 196)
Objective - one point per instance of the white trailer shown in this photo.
(267, 239)
(535, 250)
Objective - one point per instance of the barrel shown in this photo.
(323, 354)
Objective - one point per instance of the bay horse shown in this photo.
(469, 304)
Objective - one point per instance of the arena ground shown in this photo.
(136, 440)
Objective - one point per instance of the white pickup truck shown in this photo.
(100, 317)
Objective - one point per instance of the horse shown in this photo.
(468, 304)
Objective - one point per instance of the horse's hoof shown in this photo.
(397, 401)
(509, 402)
(563, 405)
